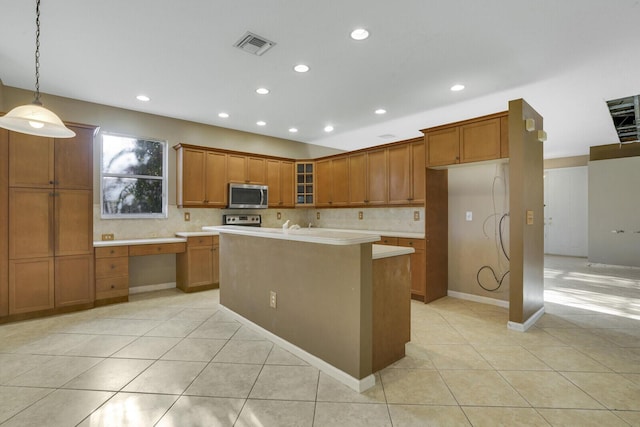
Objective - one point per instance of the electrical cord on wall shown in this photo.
(488, 267)
(498, 236)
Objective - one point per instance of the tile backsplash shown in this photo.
(379, 219)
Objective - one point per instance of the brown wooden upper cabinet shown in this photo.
(246, 169)
(368, 178)
(406, 173)
(332, 182)
(280, 181)
(201, 177)
(485, 138)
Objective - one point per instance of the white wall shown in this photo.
(614, 204)
(483, 191)
(566, 211)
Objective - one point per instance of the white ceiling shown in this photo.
(564, 57)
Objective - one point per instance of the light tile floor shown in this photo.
(172, 359)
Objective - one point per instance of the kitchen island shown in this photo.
(335, 305)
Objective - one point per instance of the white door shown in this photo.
(566, 211)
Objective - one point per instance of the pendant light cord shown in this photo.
(37, 93)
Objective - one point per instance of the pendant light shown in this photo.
(33, 118)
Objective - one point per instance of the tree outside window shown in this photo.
(133, 177)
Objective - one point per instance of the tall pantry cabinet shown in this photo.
(47, 184)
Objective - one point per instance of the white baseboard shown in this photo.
(332, 371)
(478, 298)
(523, 327)
(151, 288)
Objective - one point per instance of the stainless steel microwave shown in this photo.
(248, 196)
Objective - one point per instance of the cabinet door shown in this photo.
(74, 160)
(200, 265)
(30, 223)
(74, 280)
(443, 146)
(4, 222)
(357, 179)
(480, 141)
(31, 285)
(73, 222)
(216, 179)
(377, 177)
(236, 168)
(324, 182)
(215, 257)
(274, 183)
(400, 175)
(504, 137)
(287, 184)
(31, 161)
(193, 175)
(436, 234)
(256, 170)
(417, 171)
(340, 181)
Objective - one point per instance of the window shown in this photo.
(133, 177)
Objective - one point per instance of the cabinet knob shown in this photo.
(112, 252)
(113, 266)
(410, 243)
(113, 286)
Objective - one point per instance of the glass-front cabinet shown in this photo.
(304, 184)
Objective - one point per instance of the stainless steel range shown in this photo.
(244, 220)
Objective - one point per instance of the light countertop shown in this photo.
(196, 233)
(309, 235)
(129, 242)
(402, 234)
(386, 251)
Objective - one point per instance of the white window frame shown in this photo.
(165, 174)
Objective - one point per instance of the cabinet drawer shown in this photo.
(200, 241)
(112, 251)
(112, 267)
(386, 240)
(417, 244)
(162, 248)
(112, 284)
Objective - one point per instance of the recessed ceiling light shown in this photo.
(359, 34)
(381, 111)
(262, 90)
(293, 130)
(457, 87)
(261, 123)
(328, 128)
(301, 68)
(143, 98)
(223, 115)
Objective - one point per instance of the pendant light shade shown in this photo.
(33, 118)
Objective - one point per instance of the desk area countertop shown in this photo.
(134, 242)
(196, 233)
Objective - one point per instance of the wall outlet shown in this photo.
(108, 236)
(272, 299)
(360, 215)
(469, 216)
(187, 216)
(317, 215)
(416, 215)
(278, 215)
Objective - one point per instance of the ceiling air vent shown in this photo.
(625, 113)
(254, 44)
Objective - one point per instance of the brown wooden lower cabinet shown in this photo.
(418, 265)
(112, 272)
(198, 268)
(31, 285)
(74, 280)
